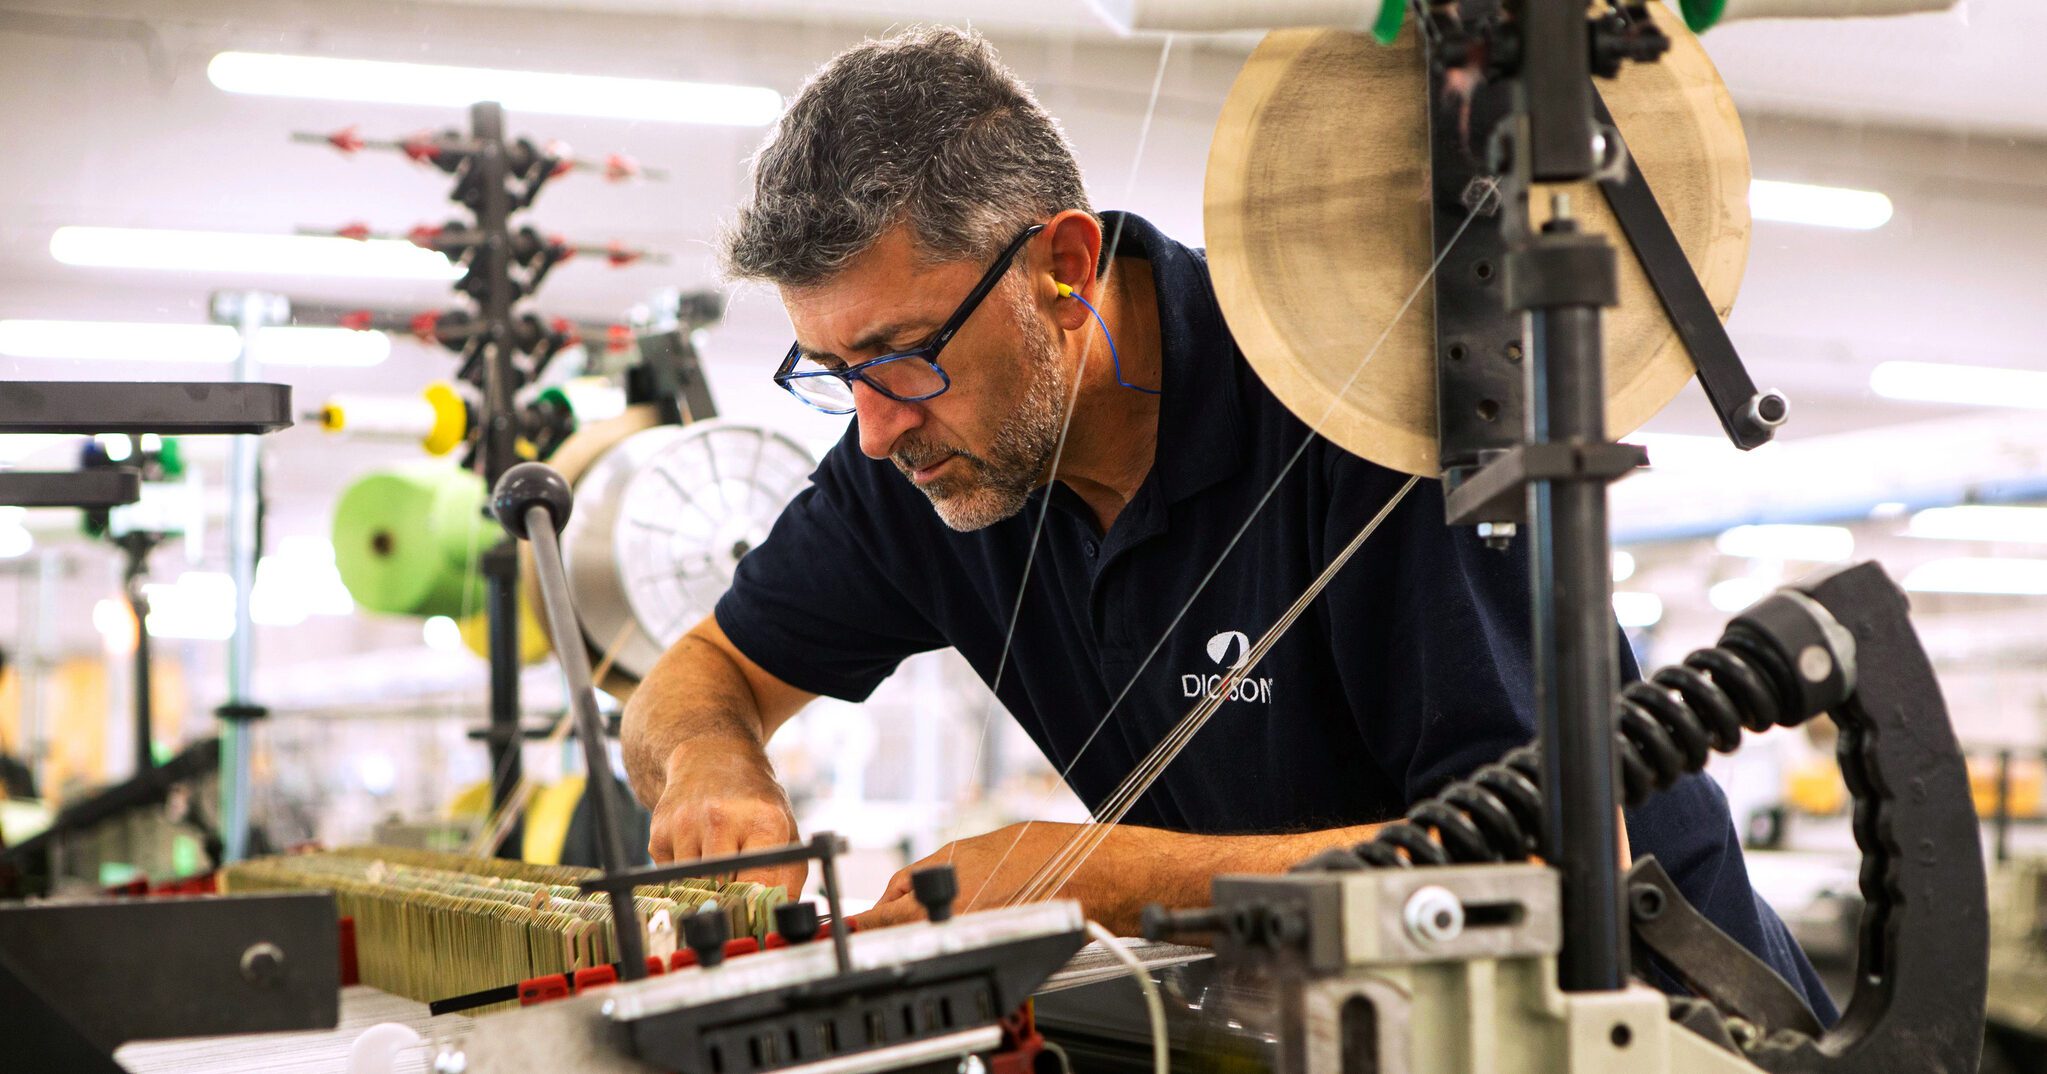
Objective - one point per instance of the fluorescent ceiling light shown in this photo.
(1735, 594)
(1974, 385)
(1980, 522)
(247, 253)
(1814, 544)
(384, 82)
(1637, 610)
(2003, 577)
(138, 342)
(1822, 206)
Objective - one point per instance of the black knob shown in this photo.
(796, 921)
(706, 932)
(935, 887)
(529, 485)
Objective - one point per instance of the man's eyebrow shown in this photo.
(875, 339)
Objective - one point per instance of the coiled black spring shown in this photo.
(1666, 727)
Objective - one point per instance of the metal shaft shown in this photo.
(138, 605)
(599, 788)
(497, 449)
(1575, 652)
(235, 754)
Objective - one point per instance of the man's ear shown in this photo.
(1075, 250)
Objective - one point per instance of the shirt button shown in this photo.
(1089, 548)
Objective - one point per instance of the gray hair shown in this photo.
(927, 128)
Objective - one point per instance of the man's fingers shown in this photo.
(890, 912)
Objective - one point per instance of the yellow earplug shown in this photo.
(1064, 291)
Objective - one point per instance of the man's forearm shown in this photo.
(694, 693)
(1135, 866)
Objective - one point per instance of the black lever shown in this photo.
(532, 502)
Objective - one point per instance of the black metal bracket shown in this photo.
(1499, 492)
(1706, 960)
(192, 967)
(88, 489)
(1481, 389)
(170, 408)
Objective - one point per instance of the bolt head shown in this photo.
(1815, 663)
(1433, 915)
(263, 964)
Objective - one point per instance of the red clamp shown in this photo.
(619, 254)
(1021, 1043)
(618, 338)
(684, 957)
(358, 320)
(564, 158)
(346, 140)
(566, 329)
(618, 167)
(425, 236)
(534, 990)
(421, 147)
(360, 232)
(351, 972)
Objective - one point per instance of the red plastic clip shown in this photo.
(358, 320)
(351, 972)
(421, 147)
(360, 232)
(534, 990)
(618, 167)
(1021, 1043)
(619, 254)
(346, 140)
(618, 338)
(424, 325)
(424, 236)
(596, 976)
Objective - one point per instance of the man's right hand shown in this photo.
(720, 797)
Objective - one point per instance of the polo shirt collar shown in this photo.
(1201, 428)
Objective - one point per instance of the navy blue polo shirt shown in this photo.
(1411, 670)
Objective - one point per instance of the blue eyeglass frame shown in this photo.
(786, 374)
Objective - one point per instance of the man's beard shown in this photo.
(983, 489)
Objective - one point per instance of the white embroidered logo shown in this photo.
(1229, 649)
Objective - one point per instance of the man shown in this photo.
(928, 230)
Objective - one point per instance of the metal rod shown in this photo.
(2002, 818)
(496, 449)
(138, 605)
(241, 539)
(600, 790)
(1575, 650)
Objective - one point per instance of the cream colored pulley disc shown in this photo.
(661, 520)
(1317, 221)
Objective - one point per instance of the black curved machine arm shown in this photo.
(1921, 963)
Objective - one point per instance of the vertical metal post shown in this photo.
(2001, 820)
(255, 310)
(1575, 643)
(493, 206)
(138, 606)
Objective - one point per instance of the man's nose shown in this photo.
(883, 421)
